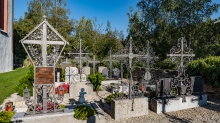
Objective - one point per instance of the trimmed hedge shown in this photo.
(208, 68)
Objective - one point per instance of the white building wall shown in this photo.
(6, 42)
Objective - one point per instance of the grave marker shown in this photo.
(43, 38)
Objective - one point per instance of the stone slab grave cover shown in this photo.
(120, 88)
(86, 71)
(159, 105)
(128, 108)
(74, 88)
(176, 104)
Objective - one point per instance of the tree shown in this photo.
(162, 22)
(57, 16)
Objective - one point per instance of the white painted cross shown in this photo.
(44, 42)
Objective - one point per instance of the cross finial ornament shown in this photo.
(44, 17)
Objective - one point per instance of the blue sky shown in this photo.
(114, 11)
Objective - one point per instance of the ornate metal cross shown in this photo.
(110, 61)
(80, 56)
(184, 54)
(130, 56)
(149, 57)
(43, 34)
(37, 44)
(94, 63)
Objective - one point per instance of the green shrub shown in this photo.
(109, 97)
(166, 64)
(61, 106)
(5, 116)
(83, 112)
(26, 80)
(96, 80)
(208, 68)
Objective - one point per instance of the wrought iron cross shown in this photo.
(94, 63)
(183, 52)
(110, 61)
(80, 55)
(43, 42)
(130, 55)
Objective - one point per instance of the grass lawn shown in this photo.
(8, 80)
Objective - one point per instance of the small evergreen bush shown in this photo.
(109, 97)
(208, 68)
(26, 80)
(96, 80)
(83, 112)
(5, 116)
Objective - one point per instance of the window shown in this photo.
(4, 15)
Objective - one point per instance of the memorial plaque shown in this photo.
(44, 75)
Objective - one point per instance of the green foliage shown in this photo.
(5, 116)
(63, 75)
(166, 64)
(8, 80)
(109, 97)
(26, 80)
(61, 106)
(208, 68)
(164, 22)
(83, 112)
(96, 80)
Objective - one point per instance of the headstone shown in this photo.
(100, 69)
(58, 72)
(116, 72)
(81, 96)
(71, 74)
(105, 72)
(147, 75)
(76, 78)
(138, 74)
(164, 87)
(121, 88)
(197, 84)
(83, 77)
(86, 71)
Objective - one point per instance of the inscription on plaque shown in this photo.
(44, 75)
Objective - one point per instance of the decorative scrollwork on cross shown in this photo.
(183, 54)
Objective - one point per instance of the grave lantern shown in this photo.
(26, 94)
(60, 91)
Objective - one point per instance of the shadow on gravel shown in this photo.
(174, 119)
(213, 104)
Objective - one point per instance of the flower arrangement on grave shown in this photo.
(83, 112)
(65, 86)
(50, 106)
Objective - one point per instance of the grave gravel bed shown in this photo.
(206, 114)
